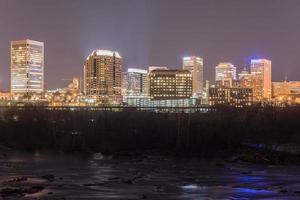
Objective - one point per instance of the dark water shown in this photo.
(154, 177)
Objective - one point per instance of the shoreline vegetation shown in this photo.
(268, 135)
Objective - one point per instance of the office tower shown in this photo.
(27, 67)
(237, 97)
(170, 84)
(225, 74)
(261, 74)
(134, 82)
(195, 66)
(102, 76)
(245, 79)
(151, 68)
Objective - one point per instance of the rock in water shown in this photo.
(98, 156)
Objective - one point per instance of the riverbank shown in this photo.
(225, 129)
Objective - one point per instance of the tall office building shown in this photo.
(261, 74)
(134, 82)
(245, 79)
(170, 84)
(195, 66)
(225, 74)
(102, 76)
(27, 67)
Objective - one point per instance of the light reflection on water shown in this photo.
(100, 177)
(218, 192)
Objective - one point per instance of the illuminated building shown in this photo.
(65, 97)
(170, 84)
(243, 74)
(102, 76)
(145, 101)
(75, 86)
(245, 79)
(225, 74)
(195, 66)
(287, 91)
(134, 82)
(204, 97)
(207, 86)
(237, 97)
(261, 78)
(27, 67)
(286, 88)
(6, 96)
(151, 68)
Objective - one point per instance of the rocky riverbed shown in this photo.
(94, 176)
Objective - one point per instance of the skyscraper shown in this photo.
(102, 76)
(225, 74)
(261, 73)
(195, 66)
(134, 82)
(245, 79)
(27, 67)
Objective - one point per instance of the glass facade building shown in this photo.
(27, 66)
(135, 82)
(261, 75)
(195, 66)
(225, 74)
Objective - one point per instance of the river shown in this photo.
(81, 176)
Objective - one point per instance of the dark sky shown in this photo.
(154, 32)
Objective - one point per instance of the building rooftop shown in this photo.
(27, 41)
(101, 52)
(164, 71)
(260, 61)
(225, 65)
(135, 70)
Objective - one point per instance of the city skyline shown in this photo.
(20, 56)
(149, 99)
(70, 38)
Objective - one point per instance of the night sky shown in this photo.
(154, 32)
